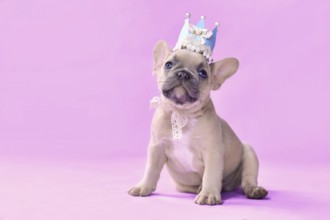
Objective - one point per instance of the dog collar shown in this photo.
(178, 121)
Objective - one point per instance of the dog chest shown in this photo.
(181, 156)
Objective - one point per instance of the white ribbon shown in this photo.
(178, 121)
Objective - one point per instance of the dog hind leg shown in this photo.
(250, 175)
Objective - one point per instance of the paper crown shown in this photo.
(197, 38)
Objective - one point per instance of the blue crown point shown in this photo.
(211, 41)
(185, 28)
(197, 38)
(201, 23)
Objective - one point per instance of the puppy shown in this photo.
(202, 153)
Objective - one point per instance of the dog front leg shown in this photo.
(155, 162)
(212, 179)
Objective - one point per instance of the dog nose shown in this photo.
(183, 75)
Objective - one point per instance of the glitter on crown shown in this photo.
(197, 38)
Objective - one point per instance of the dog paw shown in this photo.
(255, 192)
(208, 198)
(140, 191)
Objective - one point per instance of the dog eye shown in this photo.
(168, 65)
(202, 74)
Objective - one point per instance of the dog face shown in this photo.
(185, 77)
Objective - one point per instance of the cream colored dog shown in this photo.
(209, 157)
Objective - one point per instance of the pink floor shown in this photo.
(35, 189)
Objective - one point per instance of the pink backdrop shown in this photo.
(75, 85)
(75, 76)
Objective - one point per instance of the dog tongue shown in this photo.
(180, 95)
(179, 92)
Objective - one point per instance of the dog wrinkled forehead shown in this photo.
(189, 58)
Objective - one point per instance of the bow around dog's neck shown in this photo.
(180, 115)
(191, 110)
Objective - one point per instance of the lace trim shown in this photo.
(177, 120)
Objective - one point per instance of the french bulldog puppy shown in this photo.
(209, 157)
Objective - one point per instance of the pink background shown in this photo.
(75, 81)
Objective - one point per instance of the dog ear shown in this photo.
(161, 52)
(222, 70)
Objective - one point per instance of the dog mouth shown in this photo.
(180, 95)
(181, 87)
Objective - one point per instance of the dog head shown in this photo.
(185, 77)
